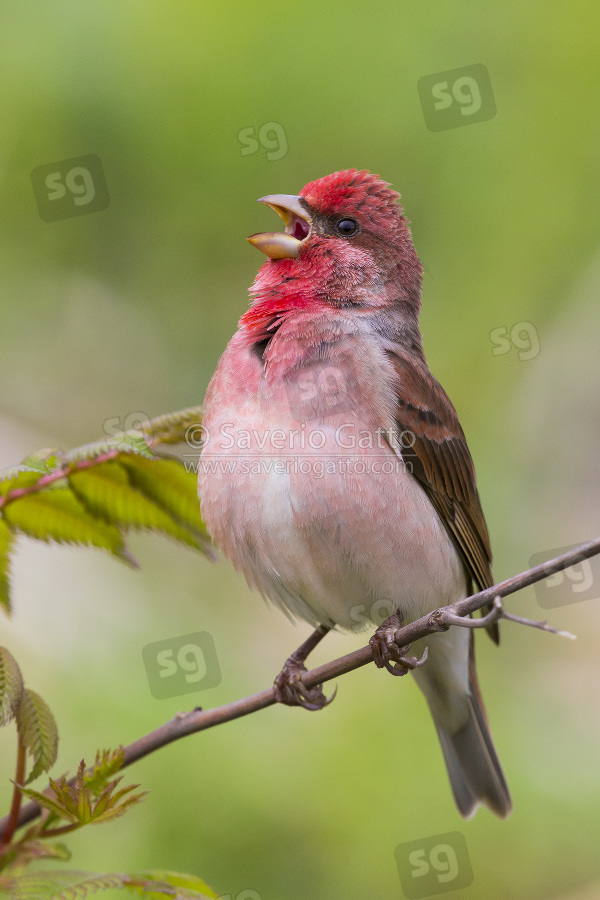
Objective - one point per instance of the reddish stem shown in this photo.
(15, 808)
(56, 476)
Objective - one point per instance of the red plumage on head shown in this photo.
(370, 200)
(378, 269)
(351, 192)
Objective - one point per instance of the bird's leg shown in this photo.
(386, 651)
(288, 685)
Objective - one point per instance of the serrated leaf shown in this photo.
(172, 428)
(11, 686)
(38, 732)
(130, 442)
(166, 482)
(69, 885)
(49, 803)
(106, 764)
(45, 461)
(82, 796)
(59, 885)
(185, 885)
(111, 807)
(65, 795)
(17, 856)
(18, 477)
(58, 515)
(6, 542)
(77, 804)
(106, 491)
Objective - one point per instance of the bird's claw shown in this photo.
(291, 690)
(387, 654)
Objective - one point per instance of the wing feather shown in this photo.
(441, 461)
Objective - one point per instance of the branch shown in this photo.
(441, 619)
(498, 612)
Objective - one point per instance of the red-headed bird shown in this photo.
(336, 475)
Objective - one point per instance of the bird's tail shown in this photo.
(453, 695)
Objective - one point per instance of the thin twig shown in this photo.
(497, 613)
(199, 720)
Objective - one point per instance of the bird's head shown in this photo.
(347, 235)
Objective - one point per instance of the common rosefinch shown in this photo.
(336, 475)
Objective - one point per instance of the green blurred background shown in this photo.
(128, 309)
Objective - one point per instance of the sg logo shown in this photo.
(181, 665)
(434, 865)
(319, 390)
(457, 97)
(248, 894)
(271, 136)
(572, 585)
(71, 187)
(523, 336)
(115, 428)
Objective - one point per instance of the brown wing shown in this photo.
(441, 461)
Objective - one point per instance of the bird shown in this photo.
(335, 474)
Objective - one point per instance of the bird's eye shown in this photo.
(346, 227)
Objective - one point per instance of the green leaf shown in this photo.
(57, 515)
(82, 796)
(117, 484)
(59, 885)
(106, 491)
(17, 856)
(173, 428)
(106, 764)
(66, 796)
(77, 803)
(11, 686)
(110, 804)
(6, 541)
(18, 477)
(45, 461)
(65, 885)
(166, 482)
(186, 885)
(130, 442)
(53, 805)
(38, 732)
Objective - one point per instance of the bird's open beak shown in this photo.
(281, 244)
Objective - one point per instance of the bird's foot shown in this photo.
(387, 654)
(290, 689)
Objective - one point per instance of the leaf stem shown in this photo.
(63, 472)
(15, 807)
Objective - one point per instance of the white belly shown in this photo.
(333, 534)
